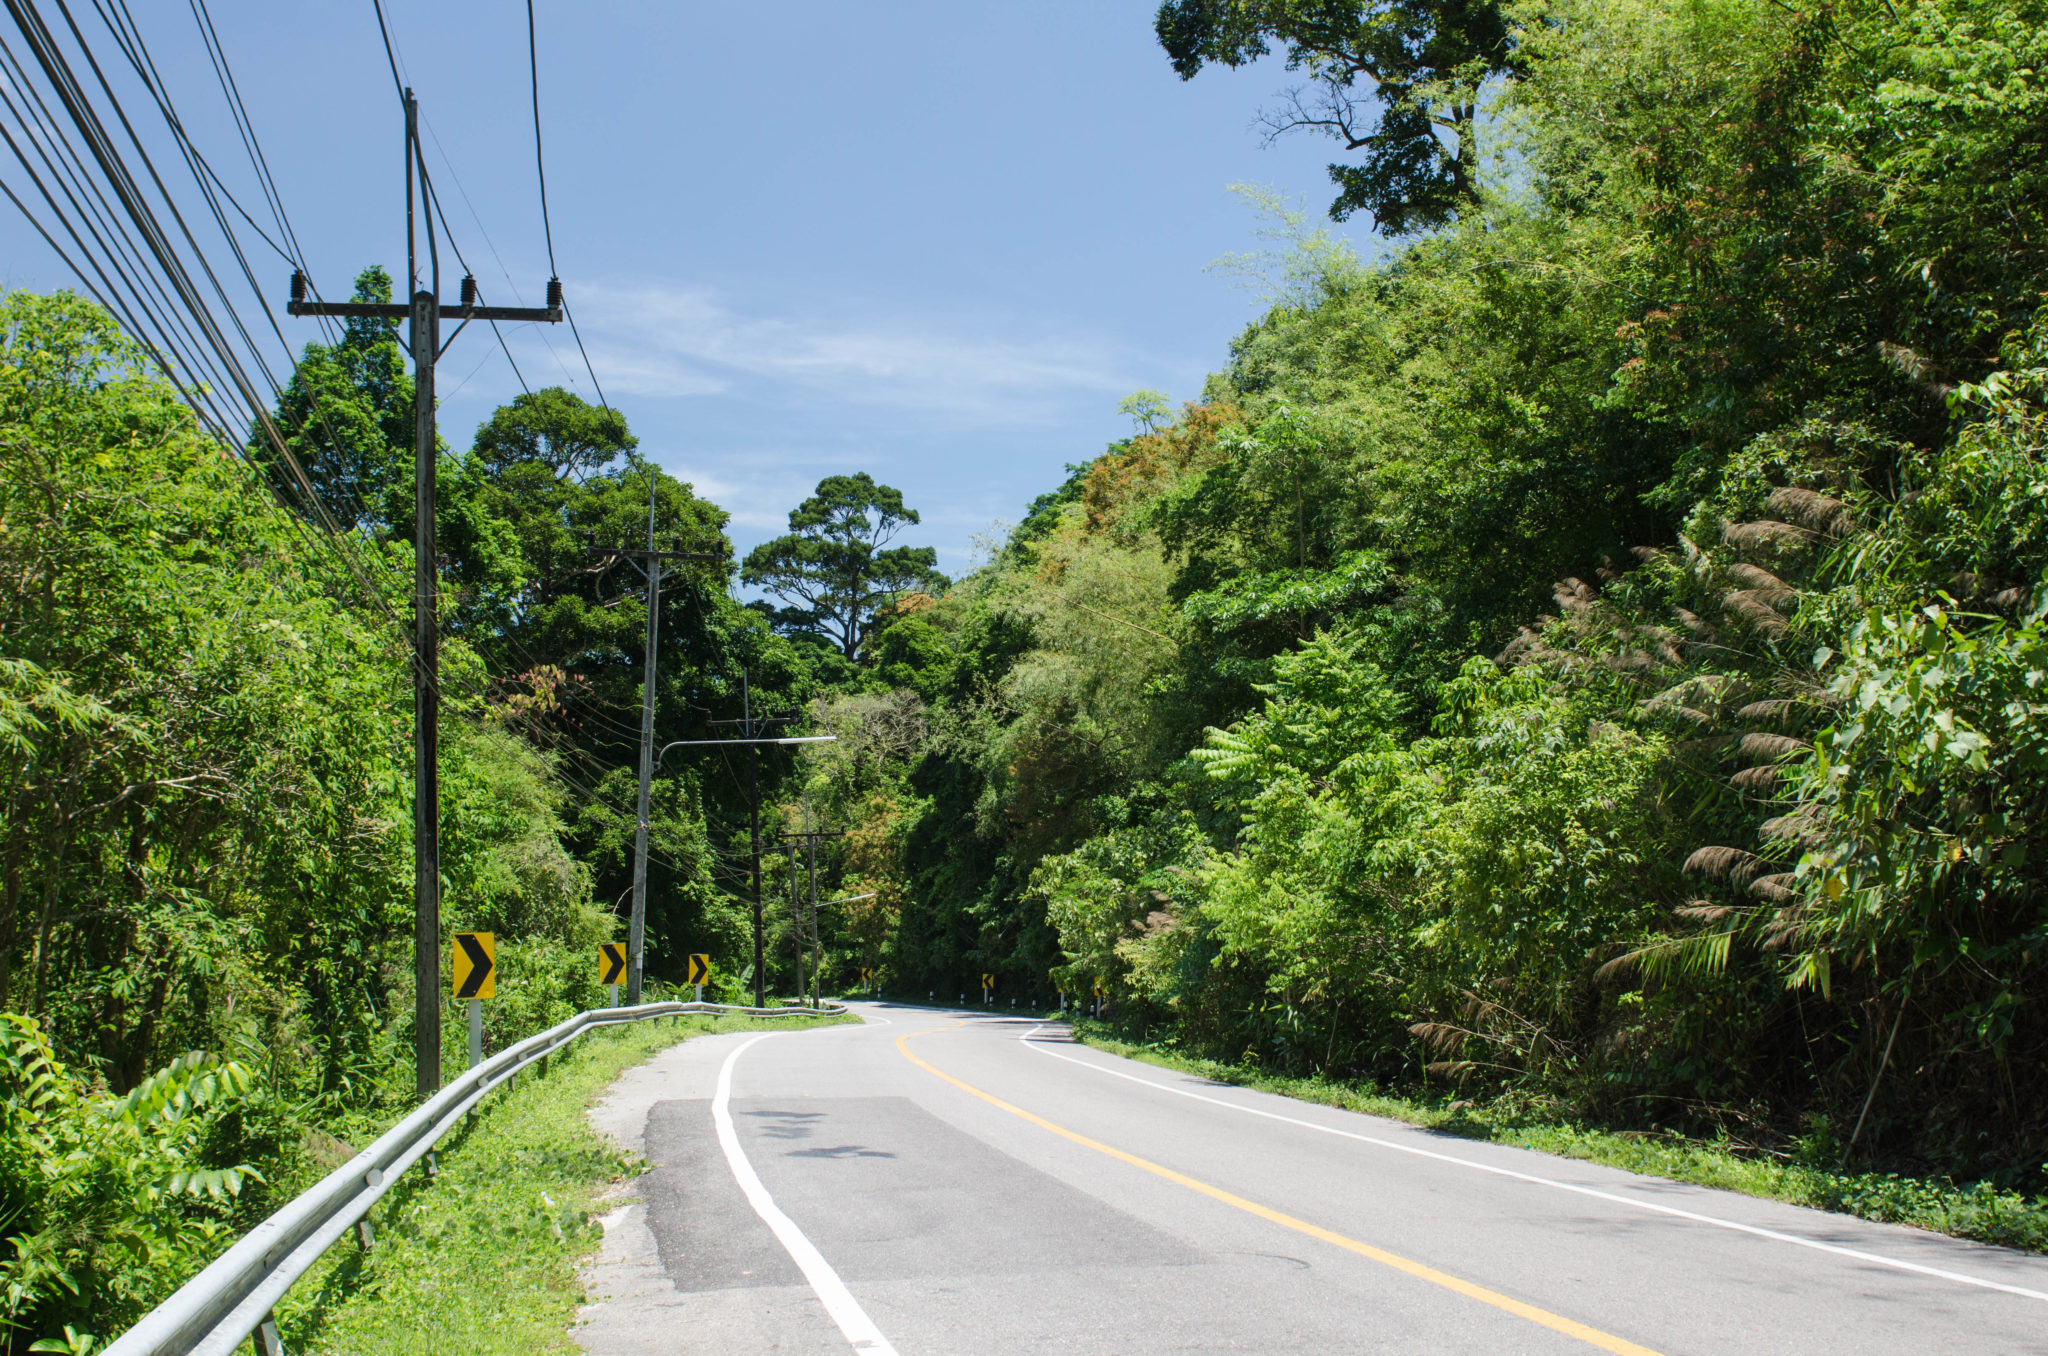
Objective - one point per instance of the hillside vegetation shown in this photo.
(1589, 655)
(1584, 661)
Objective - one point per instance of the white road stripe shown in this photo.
(1574, 1187)
(839, 1302)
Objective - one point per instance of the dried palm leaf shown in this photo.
(1903, 360)
(1620, 968)
(1771, 708)
(1439, 1036)
(1776, 888)
(1575, 596)
(1758, 746)
(1762, 583)
(1765, 532)
(1799, 827)
(1783, 931)
(1631, 661)
(1728, 863)
(1817, 512)
(1756, 611)
(1758, 778)
(1704, 911)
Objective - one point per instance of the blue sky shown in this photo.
(933, 241)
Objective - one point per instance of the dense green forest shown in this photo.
(1585, 655)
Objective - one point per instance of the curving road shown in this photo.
(936, 1182)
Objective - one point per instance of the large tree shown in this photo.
(1398, 80)
(835, 568)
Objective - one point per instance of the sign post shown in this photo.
(611, 968)
(476, 978)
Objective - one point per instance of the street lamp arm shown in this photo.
(795, 739)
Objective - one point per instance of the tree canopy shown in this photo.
(1398, 82)
(835, 569)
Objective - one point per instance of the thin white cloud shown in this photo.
(684, 341)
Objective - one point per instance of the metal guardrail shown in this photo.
(216, 1310)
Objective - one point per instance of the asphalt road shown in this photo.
(937, 1182)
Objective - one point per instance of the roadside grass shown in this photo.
(482, 1259)
(1978, 1210)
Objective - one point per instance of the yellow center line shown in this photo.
(1555, 1322)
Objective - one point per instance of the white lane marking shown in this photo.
(839, 1302)
(1574, 1187)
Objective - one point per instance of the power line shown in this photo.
(540, 170)
(157, 296)
(539, 165)
(397, 84)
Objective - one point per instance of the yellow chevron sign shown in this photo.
(611, 962)
(700, 969)
(988, 981)
(476, 965)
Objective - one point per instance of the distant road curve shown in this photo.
(953, 1182)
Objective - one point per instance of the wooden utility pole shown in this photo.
(424, 311)
(649, 563)
(809, 838)
(749, 728)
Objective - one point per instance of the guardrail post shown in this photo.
(265, 1338)
(366, 1237)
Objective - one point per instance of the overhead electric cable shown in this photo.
(162, 306)
(539, 164)
(389, 55)
(540, 170)
(244, 124)
(201, 396)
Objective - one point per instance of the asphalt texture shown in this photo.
(979, 1183)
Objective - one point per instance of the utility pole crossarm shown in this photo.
(373, 310)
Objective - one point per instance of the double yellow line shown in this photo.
(1555, 1322)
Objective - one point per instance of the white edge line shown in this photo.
(1653, 1206)
(839, 1302)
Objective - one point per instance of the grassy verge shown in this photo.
(482, 1260)
(1973, 1210)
